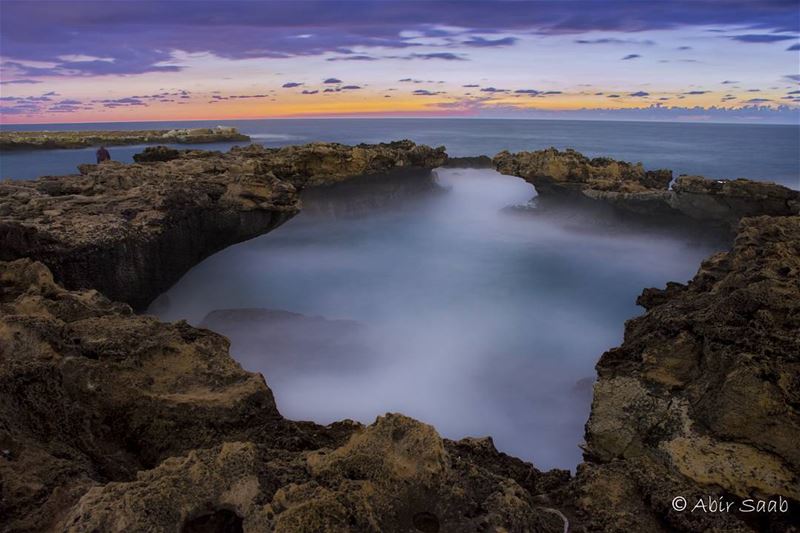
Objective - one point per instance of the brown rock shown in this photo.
(630, 190)
(115, 422)
(131, 231)
(701, 398)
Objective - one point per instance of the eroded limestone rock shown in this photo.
(131, 230)
(701, 398)
(115, 422)
(630, 190)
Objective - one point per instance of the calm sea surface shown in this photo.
(763, 152)
(457, 312)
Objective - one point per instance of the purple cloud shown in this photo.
(761, 38)
(480, 42)
(332, 80)
(353, 58)
(291, 84)
(639, 94)
(447, 56)
(609, 40)
(793, 48)
(140, 37)
(20, 82)
(493, 90)
(697, 92)
(631, 56)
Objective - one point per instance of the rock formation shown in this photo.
(115, 422)
(701, 399)
(45, 140)
(631, 190)
(131, 230)
(111, 421)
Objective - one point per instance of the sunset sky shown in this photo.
(123, 61)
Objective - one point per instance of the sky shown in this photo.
(698, 60)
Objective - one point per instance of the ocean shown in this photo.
(761, 152)
(441, 304)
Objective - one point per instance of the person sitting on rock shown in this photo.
(103, 155)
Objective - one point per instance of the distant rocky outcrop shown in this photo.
(46, 140)
(701, 399)
(115, 422)
(131, 230)
(631, 190)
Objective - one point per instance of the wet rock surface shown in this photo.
(131, 230)
(118, 422)
(46, 140)
(645, 195)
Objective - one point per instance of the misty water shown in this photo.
(439, 304)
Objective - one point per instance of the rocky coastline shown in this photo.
(112, 421)
(132, 230)
(645, 195)
(48, 140)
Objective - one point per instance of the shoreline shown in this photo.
(642, 433)
(21, 140)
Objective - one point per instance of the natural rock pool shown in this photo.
(437, 303)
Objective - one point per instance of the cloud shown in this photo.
(493, 90)
(613, 96)
(631, 56)
(728, 82)
(306, 91)
(793, 77)
(121, 102)
(353, 58)
(639, 94)
(20, 82)
(793, 48)
(610, 40)
(683, 48)
(78, 39)
(527, 91)
(471, 85)
(757, 100)
(351, 87)
(291, 84)
(761, 38)
(332, 80)
(697, 92)
(446, 56)
(480, 42)
(423, 92)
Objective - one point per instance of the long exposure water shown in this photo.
(471, 318)
(442, 304)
